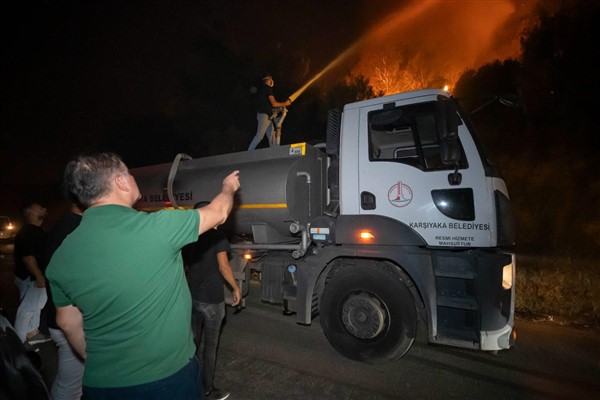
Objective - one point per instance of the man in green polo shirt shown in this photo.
(119, 286)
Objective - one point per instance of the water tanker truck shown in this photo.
(398, 220)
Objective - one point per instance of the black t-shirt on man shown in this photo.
(263, 104)
(30, 241)
(204, 277)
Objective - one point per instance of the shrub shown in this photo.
(560, 288)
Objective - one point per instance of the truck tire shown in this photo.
(368, 313)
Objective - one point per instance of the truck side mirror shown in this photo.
(447, 125)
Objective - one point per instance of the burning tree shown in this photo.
(398, 71)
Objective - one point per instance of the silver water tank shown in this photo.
(279, 186)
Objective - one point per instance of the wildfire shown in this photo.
(431, 43)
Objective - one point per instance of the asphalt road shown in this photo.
(266, 355)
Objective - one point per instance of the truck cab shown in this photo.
(413, 159)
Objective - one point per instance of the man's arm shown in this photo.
(215, 213)
(33, 267)
(70, 320)
(275, 103)
(227, 273)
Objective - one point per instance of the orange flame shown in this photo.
(431, 43)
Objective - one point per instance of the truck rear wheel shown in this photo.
(368, 313)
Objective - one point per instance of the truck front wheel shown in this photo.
(368, 313)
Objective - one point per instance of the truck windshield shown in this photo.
(409, 135)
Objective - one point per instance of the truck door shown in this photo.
(401, 175)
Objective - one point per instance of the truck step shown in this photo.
(458, 338)
(465, 303)
(456, 324)
(449, 266)
(458, 274)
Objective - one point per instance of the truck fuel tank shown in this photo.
(279, 186)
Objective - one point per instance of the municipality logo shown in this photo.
(400, 195)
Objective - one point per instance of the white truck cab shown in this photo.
(391, 163)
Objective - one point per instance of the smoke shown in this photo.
(432, 42)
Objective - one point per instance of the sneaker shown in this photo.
(217, 394)
(38, 338)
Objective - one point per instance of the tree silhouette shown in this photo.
(548, 149)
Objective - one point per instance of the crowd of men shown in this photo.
(121, 305)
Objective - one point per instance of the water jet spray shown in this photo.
(332, 64)
(380, 31)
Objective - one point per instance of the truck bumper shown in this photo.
(497, 340)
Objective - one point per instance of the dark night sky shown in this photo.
(72, 65)
(115, 59)
(73, 68)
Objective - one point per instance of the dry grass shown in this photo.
(562, 289)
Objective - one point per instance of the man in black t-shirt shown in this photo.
(265, 103)
(207, 266)
(30, 262)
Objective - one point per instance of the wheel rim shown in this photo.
(363, 316)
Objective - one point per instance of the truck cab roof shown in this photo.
(397, 97)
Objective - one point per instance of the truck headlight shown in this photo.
(507, 276)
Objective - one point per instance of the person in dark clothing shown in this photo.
(207, 266)
(265, 103)
(20, 374)
(30, 262)
(68, 382)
